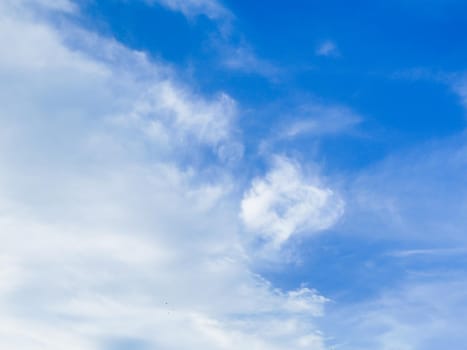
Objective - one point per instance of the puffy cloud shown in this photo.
(166, 108)
(285, 202)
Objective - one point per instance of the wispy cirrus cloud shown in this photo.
(316, 119)
(242, 58)
(213, 9)
(456, 81)
(404, 194)
(232, 53)
(407, 253)
(417, 315)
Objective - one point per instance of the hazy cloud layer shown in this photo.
(109, 239)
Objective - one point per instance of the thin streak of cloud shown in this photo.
(321, 120)
(213, 9)
(427, 252)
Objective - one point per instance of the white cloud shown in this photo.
(319, 120)
(234, 56)
(285, 202)
(166, 111)
(417, 195)
(427, 252)
(242, 58)
(109, 234)
(213, 9)
(418, 315)
(327, 49)
(66, 6)
(306, 300)
(460, 88)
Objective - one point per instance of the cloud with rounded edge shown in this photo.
(285, 202)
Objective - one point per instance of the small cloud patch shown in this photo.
(327, 49)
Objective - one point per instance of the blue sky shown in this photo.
(206, 174)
